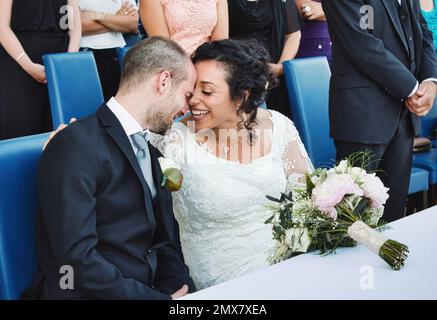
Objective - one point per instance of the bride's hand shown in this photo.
(180, 293)
(59, 129)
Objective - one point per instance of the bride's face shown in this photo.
(211, 104)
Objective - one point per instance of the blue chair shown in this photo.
(18, 207)
(307, 82)
(131, 39)
(418, 180)
(73, 84)
(428, 161)
(121, 53)
(429, 124)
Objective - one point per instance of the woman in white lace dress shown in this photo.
(232, 155)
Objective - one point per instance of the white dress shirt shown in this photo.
(130, 127)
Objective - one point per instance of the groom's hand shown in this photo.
(180, 293)
(54, 133)
(422, 102)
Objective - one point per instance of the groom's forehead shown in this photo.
(191, 72)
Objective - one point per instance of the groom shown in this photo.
(104, 216)
(383, 72)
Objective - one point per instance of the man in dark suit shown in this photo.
(104, 216)
(383, 79)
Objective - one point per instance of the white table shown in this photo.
(347, 274)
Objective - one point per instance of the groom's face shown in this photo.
(182, 93)
(176, 102)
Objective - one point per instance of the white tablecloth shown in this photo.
(352, 273)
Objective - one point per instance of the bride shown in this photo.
(232, 154)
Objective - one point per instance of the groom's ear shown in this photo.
(164, 82)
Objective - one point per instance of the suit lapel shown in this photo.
(163, 203)
(115, 130)
(390, 6)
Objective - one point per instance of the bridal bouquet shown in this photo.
(339, 207)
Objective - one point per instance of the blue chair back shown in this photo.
(429, 122)
(121, 53)
(307, 82)
(18, 207)
(131, 39)
(73, 84)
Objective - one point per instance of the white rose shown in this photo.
(297, 239)
(374, 189)
(358, 173)
(342, 167)
(166, 163)
(171, 175)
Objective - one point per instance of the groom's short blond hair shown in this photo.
(151, 56)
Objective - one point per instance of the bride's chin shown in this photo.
(201, 128)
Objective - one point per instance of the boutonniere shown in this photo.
(171, 175)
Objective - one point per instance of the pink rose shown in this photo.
(332, 191)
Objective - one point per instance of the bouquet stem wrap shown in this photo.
(362, 233)
(393, 252)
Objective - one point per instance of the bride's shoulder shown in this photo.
(280, 121)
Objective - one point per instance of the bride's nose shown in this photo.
(194, 99)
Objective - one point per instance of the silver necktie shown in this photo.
(139, 140)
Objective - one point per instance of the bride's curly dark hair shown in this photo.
(247, 73)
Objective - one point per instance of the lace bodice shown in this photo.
(190, 23)
(221, 207)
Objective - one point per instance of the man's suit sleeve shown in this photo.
(367, 51)
(428, 69)
(68, 176)
(172, 272)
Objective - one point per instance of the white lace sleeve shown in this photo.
(172, 144)
(295, 157)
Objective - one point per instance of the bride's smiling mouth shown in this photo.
(199, 114)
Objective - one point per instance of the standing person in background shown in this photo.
(103, 25)
(133, 38)
(189, 23)
(28, 30)
(383, 80)
(315, 34)
(275, 24)
(429, 12)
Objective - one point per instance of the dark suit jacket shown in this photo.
(372, 69)
(97, 217)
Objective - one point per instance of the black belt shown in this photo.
(42, 34)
